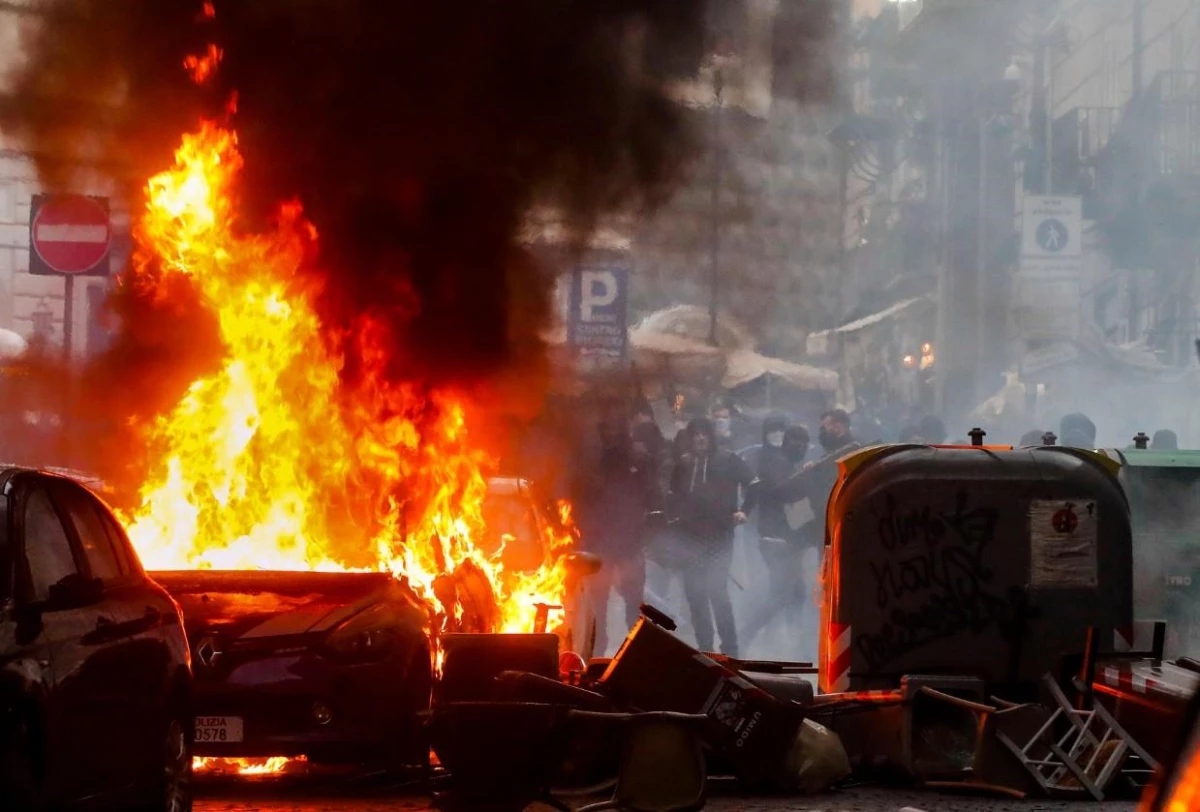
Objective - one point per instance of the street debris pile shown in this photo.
(514, 723)
(977, 637)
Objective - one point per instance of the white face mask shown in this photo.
(775, 439)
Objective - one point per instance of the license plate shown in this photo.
(218, 729)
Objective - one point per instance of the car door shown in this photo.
(124, 666)
(26, 648)
(151, 633)
(49, 559)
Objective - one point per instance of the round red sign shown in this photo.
(71, 233)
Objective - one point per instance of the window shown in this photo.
(47, 548)
(104, 561)
(120, 541)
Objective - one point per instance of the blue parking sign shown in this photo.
(598, 322)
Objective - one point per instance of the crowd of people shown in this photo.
(661, 511)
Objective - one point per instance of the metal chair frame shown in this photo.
(1089, 733)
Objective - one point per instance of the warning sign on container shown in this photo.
(1062, 538)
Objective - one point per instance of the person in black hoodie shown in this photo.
(623, 494)
(779, 486)
(837, 441)
(706, 502)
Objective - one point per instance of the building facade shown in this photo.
(966, 113)
(759, 217)
(34, 306)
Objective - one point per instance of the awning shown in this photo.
(694, 324)
(744, 366)
(818, 343)
(668, 343)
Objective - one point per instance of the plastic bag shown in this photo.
(817, 759)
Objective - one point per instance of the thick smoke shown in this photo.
(417, 136)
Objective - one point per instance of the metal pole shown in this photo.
(981, 262)
(68, 334)
(1049, 117)
(68, 316)
(843, 212)
(1038, 183)
(715, 259)
(1138, 48)
(943, 260)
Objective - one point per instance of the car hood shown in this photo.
(262, 604)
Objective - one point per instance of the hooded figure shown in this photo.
(1077, 431)
(838, 441)
(624, 493)
(706, 489)
(776, 485)
(779, 493)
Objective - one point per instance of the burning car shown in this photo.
(332, 666)
(337, 666)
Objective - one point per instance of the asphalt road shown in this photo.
(260, 799)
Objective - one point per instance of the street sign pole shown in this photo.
(68, 316)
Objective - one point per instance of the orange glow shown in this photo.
(272, 765)
(202, 68)
(273, 461)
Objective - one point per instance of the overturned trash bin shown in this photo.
(976, 560)
(754, 731)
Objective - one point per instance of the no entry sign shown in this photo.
(69, 235)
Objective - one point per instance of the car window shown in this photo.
(120, 540)
(47, 548)
(103, 560)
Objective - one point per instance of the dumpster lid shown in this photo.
(1149, 458)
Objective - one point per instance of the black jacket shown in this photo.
(618, 501)
(777, 486)
(705, 493)
(822, 476)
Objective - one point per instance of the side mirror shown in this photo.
(74, 592)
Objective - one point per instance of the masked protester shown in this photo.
(722, 421)
(837, 441)
(706, 502)
(779, 489)
(665, 547)
(624, 495)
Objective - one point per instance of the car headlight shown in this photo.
(370, 634)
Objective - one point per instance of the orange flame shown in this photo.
(202, 68)
(272, 765)
(273, 462)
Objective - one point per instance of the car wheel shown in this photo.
(22, 774)
(172, 785)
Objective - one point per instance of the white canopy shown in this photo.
(744, 366)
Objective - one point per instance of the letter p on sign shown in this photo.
(596, 289)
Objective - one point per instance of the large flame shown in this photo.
(273, 461)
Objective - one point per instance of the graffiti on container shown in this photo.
(931, 581)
